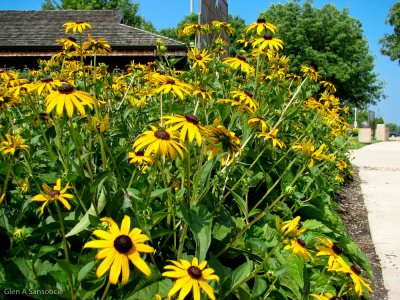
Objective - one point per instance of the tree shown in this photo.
(391, 42)
(129, 9)
(333, 42)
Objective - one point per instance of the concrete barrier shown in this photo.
(382, 132)
(364, 135)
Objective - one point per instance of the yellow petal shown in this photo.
(125, 269)
(104, 235)
(185, 290)
(116, 268)
(99, 244)
(139, 263)
(208, 289)
(125, 225)
(106, 264)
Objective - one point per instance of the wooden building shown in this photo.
(26, 36)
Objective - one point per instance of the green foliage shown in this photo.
(391, 42)
(333, 42)
(129, 9)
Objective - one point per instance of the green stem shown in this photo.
(106, 291)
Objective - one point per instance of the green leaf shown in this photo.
(296, 269)
(239, 274)
(240, 202)
(85, 270)
(158, 193)
(316, 225)
(148, 292)
(199, 220)
(85, 221)
(260, 286)
(99, 179)
(66, 266)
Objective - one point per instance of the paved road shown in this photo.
(379, 166)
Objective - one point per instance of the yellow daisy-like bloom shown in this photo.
(159, 141)
(307, 148)
(260, 26)
(189, 126)
(119, 246)
(239, 63)
(290, 228)
(258, 121)
(199, 59)
(67, 96)
(222, 26)
(354, 271)
(222, 139)
(202, 93)
(268, 42)
(56, 193)
(99, 46)
(247, 98)
(298, 247)
(12, 144)
(341, 165)
(141, 160)
(272, 136)
(191, 29)
(310, 72)
(172, 85)
(79, 26)
(329, 86)
(238, 104)
(69, 43)
(328, 296)
(48, 85)
(190, 277)
(333, 250)
(245, 41)
(24, 186)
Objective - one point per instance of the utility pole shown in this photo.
(191, 6)
(355, 117)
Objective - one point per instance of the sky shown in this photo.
(372, 14)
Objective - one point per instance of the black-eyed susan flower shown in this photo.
(159, 142)
(237, 103)
(247, 98)
(239, 63)
(290, 228)
(99, 46)
(192, 29)
(24, 186)
(172, 85)
(47, 85)
(66, 96)
(79, 26)
(222, 139)
(258, 122)
(307, 149)
(13, 144)
(260, 26)
(140, 159)
(190, 277)
(341, 165)
(272, 135)
(189, 126)
(203, 93)
(119, 246)
(329, 86)
(298, 247)
(310, 72)
(327, 296)
(199, 58)
(57, 193)
(69, 44)
(331, 249)
(219, 26)
(354, 271)
(268, 42)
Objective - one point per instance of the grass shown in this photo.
(357, 145)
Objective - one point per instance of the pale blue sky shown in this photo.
(372, 14)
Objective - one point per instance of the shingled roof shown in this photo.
(27, 33)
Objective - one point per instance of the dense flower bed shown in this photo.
(215, 182)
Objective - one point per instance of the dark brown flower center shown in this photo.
(53, 193)
(47, 80)
(268, 38)
(80, 22)
(337, 248)
(261, 20)
(192, 119)
(301, 243)
(260, 118)
(162, 135)
(66, 89)
(356, 269)
(70, 38)
(140, 153)
(170, 81)
(123, 244)
(248, 94)
(198, 57)
(241, 58)
(194, 272)
(335, 298)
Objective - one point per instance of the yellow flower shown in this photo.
(222, 139)
(24, 186)
(329, 86)
(239, 63)
(159, 141)
(190, 277)
(79, 26)
(333, 250)
(2, 197)
(67, 96)
(189, 125)
(258, 121)
(56, 193)
(246, 98)
(120, 245)
(328, 296)
(260, 25)
(202, 93)
(69, 44)
(199, 59)
(290, 228)
(272, 136)
(47, 84)
(172, 85)
(222, 26)
(99, 46)
(191, 29)
(310, 72)
(12, 144)
(268, 42)
(141, 160)
(307, 149)
(354, 271)
(298, 247)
